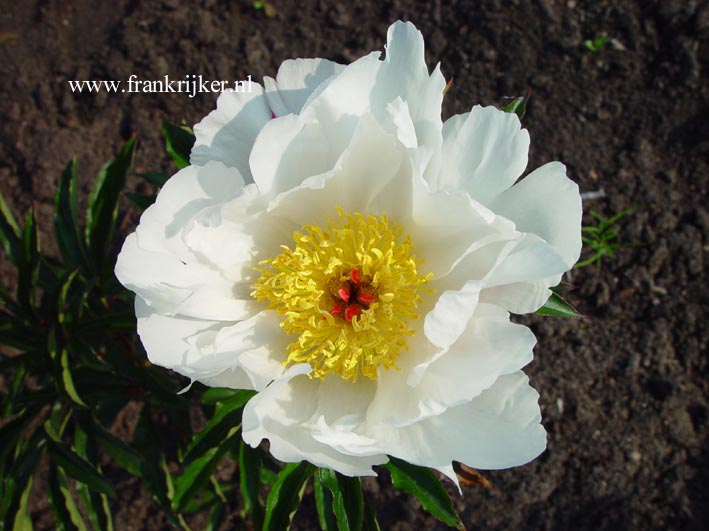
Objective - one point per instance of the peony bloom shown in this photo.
(338, 248)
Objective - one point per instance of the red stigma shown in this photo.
(344, 294)
(351, 311)
(355, 276)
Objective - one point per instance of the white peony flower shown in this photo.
(338, 248)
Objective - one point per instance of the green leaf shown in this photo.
(324, 505)
(518, 105)
(423, 484)
(117, 322)
(149, 444)
(23, 522)
(103, 204)
(557, 306)
(9, 233)
(120, 453)
(75, 465)
(370, 522)
(227, 415)
(249, 466)
(220, 394)
(347, 502)
(216, 517)
(179, 140)
(140, 201)
(66, 218)
(158, 179)
(12, 431)
(66, 513)
(197, 474)
(285, 495)
(96, 504)
(68, 381)
(16, 481)
(28, 265)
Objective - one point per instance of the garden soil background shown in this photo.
(624, 391)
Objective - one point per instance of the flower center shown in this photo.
(348, 292)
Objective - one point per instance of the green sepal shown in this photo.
(518, 106)
(557, 306)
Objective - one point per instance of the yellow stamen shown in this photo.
(348, 292)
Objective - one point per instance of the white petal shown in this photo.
(295, 82)
(156, 263)
(370, 177)
(484, 152)
(489, 347)
(244, 355)
(404, 74)
(287, 151)
(338, 105)
(548, 204)
(172, 287)
(521, 297)
(227, 134)
(281, 414)
(498, 429)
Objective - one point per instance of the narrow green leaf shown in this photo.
(158, 179)
(196, 475)
(28, 265)
(66, 218)
(324, 505)
(557, 306)
(96, 504)
(347, 503)
(118, 322)
(423, 484)
(120, 453)
(10, 234)
(249, 466)
(23, 522)
(370, 522)
(216, 517)
(285, 496)
(68, 381)
(66, 513)
(220, 394)
(227, 415)
(103, 203)
(149, 445)
(141, 201)
(179, 140)
(75, 465)
(15, 483)
(12, 431)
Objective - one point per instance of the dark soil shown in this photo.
(624, 392)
